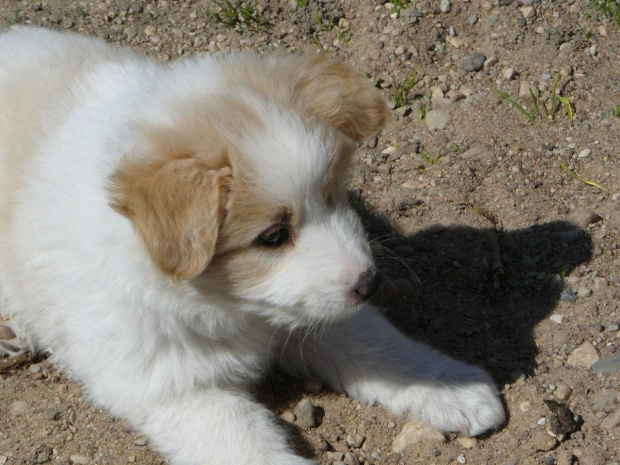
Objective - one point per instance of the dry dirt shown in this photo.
(472, 220)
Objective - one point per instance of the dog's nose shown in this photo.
(367, 285)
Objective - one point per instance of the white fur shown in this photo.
(175, 362)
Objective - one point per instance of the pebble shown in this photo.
(584, 356)
(351, 459)
(612, 420)
(414, 433)
(461, 459)
(437, 119)
(609, 364)
(472, 20)
(141, 441)
(80, 459)
(527, 12)
(19, 407)
(35, 368)
(584, 153)
(445, 6)
(334, 456)
(563, 391)
(559, 319)
(584, 218)
(525, 88)
(509, 74)
(467, 443)
(475, 62)
(584, 292)
(305, 411)
(568, 295)
(355, 440)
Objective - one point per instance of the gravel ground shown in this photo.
(491, 249)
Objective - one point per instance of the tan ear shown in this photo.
(177, 207)
(338, 93)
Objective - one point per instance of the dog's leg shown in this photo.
(215, 427)
(12, 338)
(370, 360)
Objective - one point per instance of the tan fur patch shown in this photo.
(177, 206)
(319, 87)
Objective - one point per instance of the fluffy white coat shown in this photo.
(174, 356)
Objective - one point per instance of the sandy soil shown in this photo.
(491, 249)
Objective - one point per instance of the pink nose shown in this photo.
(367, 285)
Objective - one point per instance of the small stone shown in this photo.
(600, 283)
(141, 441)
(334, 456)
(527, 12)
(414, 433)
(456, 42)
(80, 459)
(355, 440)
(474, 62)
(584, 218)
(461, 459)
(35, 368)
(288, 416)
(149, 30)
(490, 62)
(559, 319)
(467, 443)
(305, 411)
(609, 364)
(568, 295)
(445, 6)
(562, 392)
(584, 356)
(472, 20)
(486, 5)
(351, 459)
(525, 88)
(584, 292)
(584, 153)
(19, 407)
(437, 119)
(611, 421)
(509, 74)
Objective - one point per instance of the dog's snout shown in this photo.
(367, 285)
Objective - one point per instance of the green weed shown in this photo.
(422, 111)
(585, 181)
(617, 111)
(239, 13)
(610, 8)
(302, 3)
(431, 160)
(402, 89)
(539, 107)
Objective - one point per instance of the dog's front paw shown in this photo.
(477, 409)
(469, 406)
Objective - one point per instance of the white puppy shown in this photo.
(166, 228)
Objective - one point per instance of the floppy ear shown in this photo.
(341, 95)
(177, 207)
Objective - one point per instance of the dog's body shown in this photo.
(167, 229)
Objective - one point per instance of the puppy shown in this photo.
(165, 230)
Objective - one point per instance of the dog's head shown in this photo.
(243, 189)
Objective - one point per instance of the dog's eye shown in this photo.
(274, 237)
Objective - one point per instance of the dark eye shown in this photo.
(274, 237)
